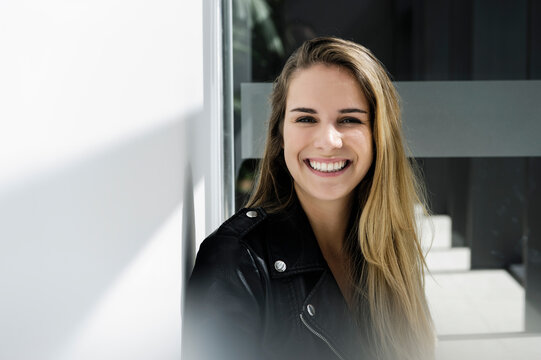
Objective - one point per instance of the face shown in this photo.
(327, 133)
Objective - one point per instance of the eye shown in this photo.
(350, 120)
(306, 119)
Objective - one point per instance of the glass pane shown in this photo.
(469, 74)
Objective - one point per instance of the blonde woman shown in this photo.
(325, 261)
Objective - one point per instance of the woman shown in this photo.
(325, 261)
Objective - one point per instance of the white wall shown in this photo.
(105, 173)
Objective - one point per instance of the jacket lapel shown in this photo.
(324, 311)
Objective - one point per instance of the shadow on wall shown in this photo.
(188, 233)
(64, 238)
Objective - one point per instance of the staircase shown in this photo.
(478, 314)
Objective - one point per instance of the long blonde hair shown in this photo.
(386, 261)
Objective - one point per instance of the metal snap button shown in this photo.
(251, 214)
(311, 309)
(280, 266)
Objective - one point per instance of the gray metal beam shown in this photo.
(440, 118)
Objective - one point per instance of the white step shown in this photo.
(435, 230)
(475, 302)
(453, 259)
(514, 348)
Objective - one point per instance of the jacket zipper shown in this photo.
(322, 338)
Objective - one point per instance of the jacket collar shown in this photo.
(291, 240)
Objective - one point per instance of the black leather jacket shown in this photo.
(261, 289)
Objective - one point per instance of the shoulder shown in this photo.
(227, 266)
(235, 243)
(237, 232)
(241, 224)
(226, 291)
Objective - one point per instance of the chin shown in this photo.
(325, 195)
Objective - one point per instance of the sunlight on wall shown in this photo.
(84, 75)
(99, 100)
(130, 318)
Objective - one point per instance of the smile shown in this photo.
(328, 166)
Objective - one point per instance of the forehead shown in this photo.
(322, 85)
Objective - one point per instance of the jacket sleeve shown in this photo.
(222, 314)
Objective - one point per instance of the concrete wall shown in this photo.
(105, 174)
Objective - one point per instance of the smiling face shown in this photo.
(327, 134)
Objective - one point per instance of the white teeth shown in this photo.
(328, 167)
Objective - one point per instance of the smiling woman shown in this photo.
(325, 261)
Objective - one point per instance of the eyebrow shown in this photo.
(342, 111)
(353, 110)
(305, 110)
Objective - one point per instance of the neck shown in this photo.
(329, 220)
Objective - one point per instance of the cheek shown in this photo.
(368, 143)
(361, 139)
(364, 146)
(289, 153)
(289, 141)
(292, 145)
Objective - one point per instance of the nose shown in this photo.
(328, 138)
